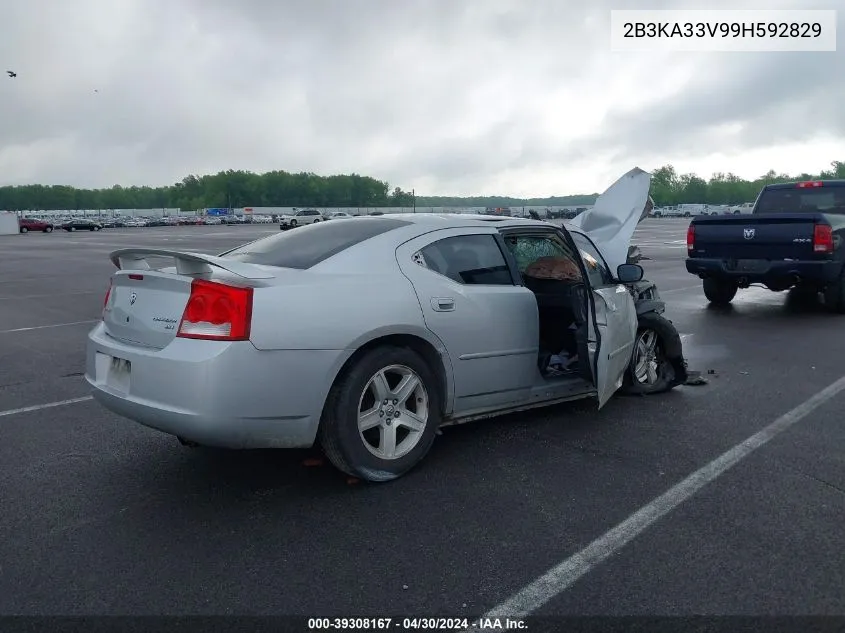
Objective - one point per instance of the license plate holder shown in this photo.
(748, 265)
(119, 373)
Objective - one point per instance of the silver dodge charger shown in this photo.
(366, 336)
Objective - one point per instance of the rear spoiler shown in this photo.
(187, 262)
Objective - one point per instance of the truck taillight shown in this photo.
(822, 239)
(809, 183)
(690, 238)
(106, 299)
(217, 312)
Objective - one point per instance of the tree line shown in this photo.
(668, 188)
(233, 189)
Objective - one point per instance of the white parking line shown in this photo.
(559, 578)
(681, 289)
(38, 407)
(42, 327)
(53, 294)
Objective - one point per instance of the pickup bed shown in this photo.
(792, 239)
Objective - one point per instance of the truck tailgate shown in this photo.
(771, 237)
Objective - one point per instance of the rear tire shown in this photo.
(805, 294)
(24, 229)
(49, 229)
(362, 397)
(834, 295)
(719, 292)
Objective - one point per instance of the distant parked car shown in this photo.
(300, 218)
(192, 221)
(82, 224)
(31, 224)
(337, 215)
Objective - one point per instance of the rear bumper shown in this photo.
(221, 394)
(821, 272)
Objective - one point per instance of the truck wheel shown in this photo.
(381, 415)
(657, 349)
(719, 292)
(834, 295)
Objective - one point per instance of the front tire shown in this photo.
(719, 292)
(49, 229)
(381, 415)
(656, 352)
(293, 224)
(72, 229)
(24, 229)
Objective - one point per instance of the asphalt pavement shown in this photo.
(99, 515)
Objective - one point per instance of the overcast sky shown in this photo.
(460, 97)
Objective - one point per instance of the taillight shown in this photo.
(822, 239)
(106, 300)
(809, 183)
(690, 238)
(217, 312)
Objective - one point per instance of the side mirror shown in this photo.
(629, 273)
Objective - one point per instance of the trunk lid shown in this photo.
(146, 301)
(145, 309)
(780, 236)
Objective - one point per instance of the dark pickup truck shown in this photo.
(793, 238)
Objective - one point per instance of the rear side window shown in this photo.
(809, 200)
(309, 245)
(468, 259)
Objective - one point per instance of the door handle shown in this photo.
(442, 304)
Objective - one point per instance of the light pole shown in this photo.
(414, 199)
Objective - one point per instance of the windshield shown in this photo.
(810, 200)
(309, 245)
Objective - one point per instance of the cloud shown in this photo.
(509, 96)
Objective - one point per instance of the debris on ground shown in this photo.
(711, 371)
(312, 462)
(744, 373)
(405, 587)
(695, 379)
(351, 481)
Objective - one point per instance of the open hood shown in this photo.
(614, 217)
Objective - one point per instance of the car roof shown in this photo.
(464, 220)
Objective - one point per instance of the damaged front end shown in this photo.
(650, 308)
(658, 363)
